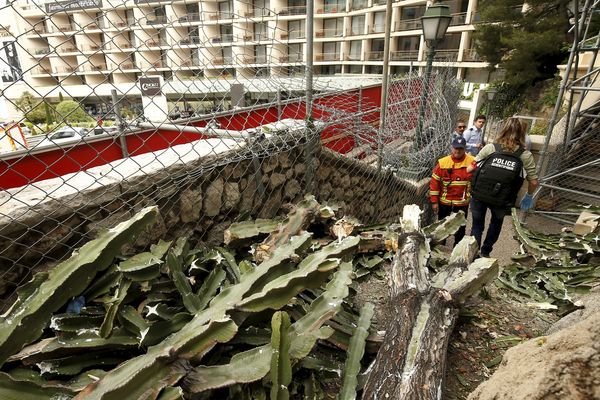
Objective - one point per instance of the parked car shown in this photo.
(64, 135)
(109, 130)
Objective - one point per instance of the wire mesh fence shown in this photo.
(202, 109)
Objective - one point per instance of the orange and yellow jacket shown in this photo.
(450, 182)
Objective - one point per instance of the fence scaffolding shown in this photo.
(570, 159)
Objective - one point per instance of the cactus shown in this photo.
(439, 231)
(13, 389)
(310, 273)
(281, 365)
(145, 266)
(253, 364)
(113, 308)
(190, 299)
(356, 352)
(239, 233)
(30, 314)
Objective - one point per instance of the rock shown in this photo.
(344, 181)
(289, 174)
(212, 199)
(248, 195)
(190, 204)
(323, 173)
(271, 206)
(591, 305)
(563, 365)
(231, 196)
(276, 180)
(299, 169)
(285, 160)
(325, 192)
(292, 188)
(269, 164)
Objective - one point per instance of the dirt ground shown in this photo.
(489, 323)
(493, 321)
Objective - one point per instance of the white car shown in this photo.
(64, 135)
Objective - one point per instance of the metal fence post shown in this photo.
(384, 83)
(311, 145)
(117, 109)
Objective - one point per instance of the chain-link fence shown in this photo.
(201, 109)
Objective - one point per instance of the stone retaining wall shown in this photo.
(199, 194)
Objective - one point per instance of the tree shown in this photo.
(527, 45)
(70, 111)
(33, 109)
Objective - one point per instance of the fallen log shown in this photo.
(412, 359)
(301, 216)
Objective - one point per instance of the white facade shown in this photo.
(84, 49)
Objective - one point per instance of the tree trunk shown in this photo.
(412, 360)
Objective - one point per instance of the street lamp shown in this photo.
(435, 24)
(491, 93)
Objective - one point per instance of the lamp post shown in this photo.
(491, 93)
(435, 24)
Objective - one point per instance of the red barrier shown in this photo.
(25, 168)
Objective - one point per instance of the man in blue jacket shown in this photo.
(474, 135)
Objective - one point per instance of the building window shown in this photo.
(227, 55)
(296, 29)
(331, 69)
(358, 25)
(355, 50)
(331, 51)
(295, 52)
(354, 69)
(260, 31)
(226, 32)
(261, 8)
(379, 22)
(334, 27)
(260, 53)
(225, 10)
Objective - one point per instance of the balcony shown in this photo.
(246, 38)
(295, 10)
(409, 24)
(291, 58)
(377, 29)
(258, 13)
(458, 19)
(40, 71)
(92, 25)
(471, 55)
(192, 17)
(446, 55)
(357, 31)
(118, 46)
(65, 69)
(37, 30)
(95, 68)
(93, 47)
(352, 57)
(62, 28)
(125, 66)
(67, 49)
(158, 64)
(404, 55)
(375, 56)
(152, 43)
(39, 52)
(327, 57)
(215, 16)
(190, 40)
(358, 5)
(332, 8)
(297, 34)
(330, 33)
(156, 19)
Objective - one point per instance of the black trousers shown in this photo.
(446, 210)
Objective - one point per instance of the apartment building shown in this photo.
(87, 47)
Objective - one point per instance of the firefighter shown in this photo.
(450, 185)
